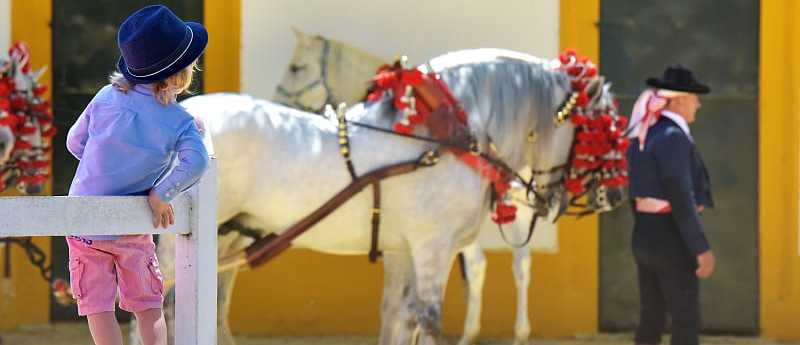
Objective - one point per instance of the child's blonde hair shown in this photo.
(165, 91)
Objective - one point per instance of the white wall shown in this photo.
(5, 26)
(420, 29)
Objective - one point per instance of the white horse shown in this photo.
(320, 73)
(270, 157)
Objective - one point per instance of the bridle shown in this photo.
(295, 96)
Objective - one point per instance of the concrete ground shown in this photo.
(78, 334)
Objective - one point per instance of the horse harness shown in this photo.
(447, 124)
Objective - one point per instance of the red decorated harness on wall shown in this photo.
(27, 114)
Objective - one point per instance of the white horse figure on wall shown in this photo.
(325, 71)
(314, 78)
(269, 158)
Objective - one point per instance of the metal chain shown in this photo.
(35, 255)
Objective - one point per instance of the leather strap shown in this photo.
(374, 252)
(271, 245)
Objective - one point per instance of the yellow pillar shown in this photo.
(565, 294)
(779, 101)
(224, 24)
(24, 299)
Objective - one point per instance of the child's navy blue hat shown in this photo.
(155, 44)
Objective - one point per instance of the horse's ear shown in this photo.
(300, 35)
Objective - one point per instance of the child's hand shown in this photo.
(162, 211)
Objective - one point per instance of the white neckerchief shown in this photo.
(680, 121)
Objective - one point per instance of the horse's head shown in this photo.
(558, 118)
(606, 185)
(325, 71)
(597, 166)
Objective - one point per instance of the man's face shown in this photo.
(687, 106)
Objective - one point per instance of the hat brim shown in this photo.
(693, 88)
(196, 48)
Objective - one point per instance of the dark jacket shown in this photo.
(671, 168)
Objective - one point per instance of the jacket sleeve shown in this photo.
(192, 162)
(79, 133)
(673, 157)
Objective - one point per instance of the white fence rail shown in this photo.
(195, 246)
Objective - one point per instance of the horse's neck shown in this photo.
(492, 138)
(349, 75)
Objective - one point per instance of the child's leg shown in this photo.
(141, 286)
(152, 327)
(94, 285)
(105, 329)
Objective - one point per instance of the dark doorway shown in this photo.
(721, 43)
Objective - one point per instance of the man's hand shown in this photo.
(705, 264)
(163, 215)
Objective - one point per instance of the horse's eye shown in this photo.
(294, 68)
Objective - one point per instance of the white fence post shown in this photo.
(195, 274)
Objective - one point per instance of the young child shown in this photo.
(134, 139)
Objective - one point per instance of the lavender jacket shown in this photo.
(128, 144)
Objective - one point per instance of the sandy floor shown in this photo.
(78, 334)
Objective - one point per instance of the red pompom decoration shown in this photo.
(22, 145)
(18, 103)
(27, 130)
(49, 133)
(504, 213)
(5, 87)
(40, 90)
(622, 122)
(623, 144)
(607, 120)
(579, 119)
(403, 129)
(583, 99)
(574, 186)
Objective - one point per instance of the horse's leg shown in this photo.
(474, 266)
(432, 261)
(225, 283)
(397, 321)
(522, 278)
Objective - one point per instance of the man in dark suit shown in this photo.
(669, 188)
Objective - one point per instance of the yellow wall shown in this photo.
(779, 116)
(310, 293)
(26, 296)
(221, 70)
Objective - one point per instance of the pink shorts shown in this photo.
(97, 267)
